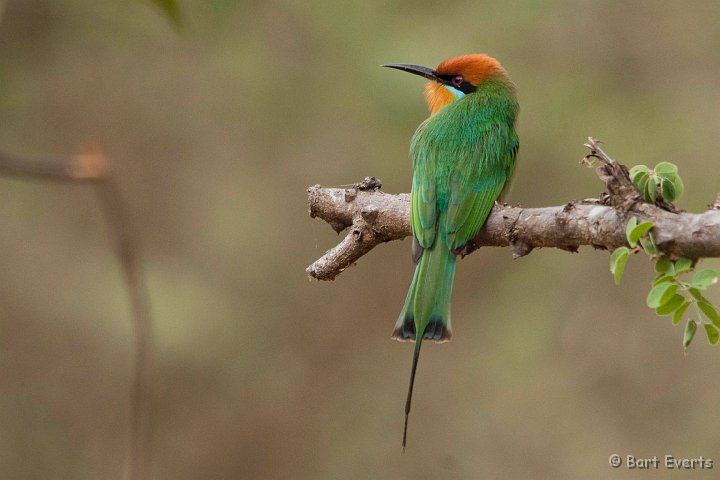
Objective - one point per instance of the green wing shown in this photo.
(460, 174)
(476, 182)
(423, 205)
(424, 211)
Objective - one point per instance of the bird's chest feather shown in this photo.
(447, 146)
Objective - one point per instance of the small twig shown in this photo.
(716, 204)
(615, 176)
(90, 167)
(128, 250)
(94, 168)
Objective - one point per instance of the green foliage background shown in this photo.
(217, 128)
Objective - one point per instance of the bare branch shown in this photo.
(599, 223)
(374, 217)
(94, 168)
(128, 251)
(90, 167)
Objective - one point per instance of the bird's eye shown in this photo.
(457, 80)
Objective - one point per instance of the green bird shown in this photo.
(463, 156)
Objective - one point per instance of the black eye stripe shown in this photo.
(465, 86)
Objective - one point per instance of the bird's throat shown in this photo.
(437, 96)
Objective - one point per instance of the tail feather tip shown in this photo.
(437, 330)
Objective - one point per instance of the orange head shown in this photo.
(454, 78)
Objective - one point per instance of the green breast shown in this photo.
(472, 137)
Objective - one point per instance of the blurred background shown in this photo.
(217, 129)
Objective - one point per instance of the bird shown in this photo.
(463, 158)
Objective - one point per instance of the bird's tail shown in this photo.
(426, 313)
(427, 305)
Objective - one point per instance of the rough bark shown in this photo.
(375, 217)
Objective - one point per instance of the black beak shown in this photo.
(415, 69)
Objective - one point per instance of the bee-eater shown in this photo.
(463, 156)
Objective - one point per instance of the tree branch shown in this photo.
(94, 168)
(374, 217)
(90, 167)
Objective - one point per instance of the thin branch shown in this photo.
(128, 250)
(375, 217)
(90, 167)
(94, 168)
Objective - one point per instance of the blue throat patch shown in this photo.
(458, 94)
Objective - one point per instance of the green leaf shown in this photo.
(696, 293)
(639, 169)
(648, 244)
(667, 189)
(673, 304)
(679, 186)
(683, 265)
(651, 191)
(709, 310)
(690, 330)
(662, 278)
(663, 265)
(712, 333)
(640, 182)
(677, 316)
(618, 259)
(664, 168)
(632, 223)
(171, 9)
(675, 183)
(635, 233)
(704, 278)
(661, 294)
(668, 176)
